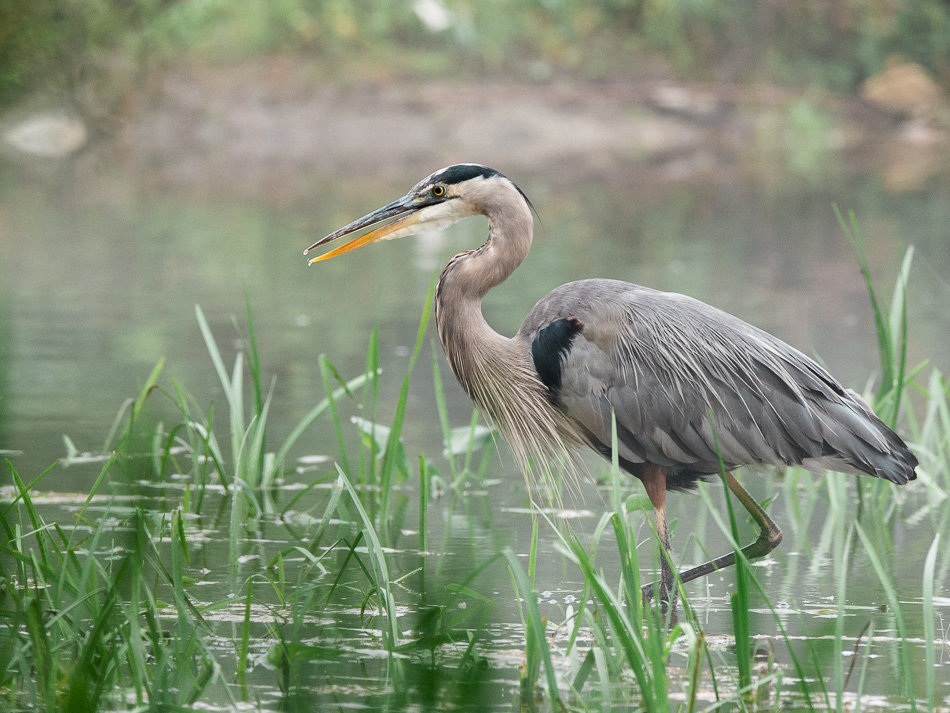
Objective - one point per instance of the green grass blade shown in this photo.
(929, 619)
(894, 605)
(739, 603)
(23, 494)
(423, 504)
(212, 346)
(627, 634)
(534, 624)
(841, 573)
(391, 633)
(898, 326)
(442, 410)
(327, 513)
(117, 424)
(335, 395)
(42, 657)
(394, 453)
(244, 645)
(368, 463)
(328, 373)
(799, 668)
(231, 385)
(253, 358)
(852, 231)
(533, 550)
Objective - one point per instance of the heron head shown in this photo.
(437, 201)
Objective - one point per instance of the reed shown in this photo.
(537, 650)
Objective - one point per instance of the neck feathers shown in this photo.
(497, 372)
(510, 229)
(465, 335)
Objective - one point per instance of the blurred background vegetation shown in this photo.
(62, 46)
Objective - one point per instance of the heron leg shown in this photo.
(769, 535)
(654, 481)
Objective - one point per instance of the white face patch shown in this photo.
(435, 217)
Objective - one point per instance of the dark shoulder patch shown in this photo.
(548, 349)
(464, 172)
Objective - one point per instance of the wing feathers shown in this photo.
(682, 377)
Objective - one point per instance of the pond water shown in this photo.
(102, 271)
(101, 274)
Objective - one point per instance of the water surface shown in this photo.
(102, 271)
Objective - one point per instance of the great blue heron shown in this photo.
(692, 389)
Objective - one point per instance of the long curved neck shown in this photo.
(469, 342)
(498, 373)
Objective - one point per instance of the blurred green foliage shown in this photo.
(31, 43)
(54, 43)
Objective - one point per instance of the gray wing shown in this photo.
(686, 379)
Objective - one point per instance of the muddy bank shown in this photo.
(244, 127)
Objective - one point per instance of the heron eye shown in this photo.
(438, 191)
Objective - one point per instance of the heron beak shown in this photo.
(406, 212)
